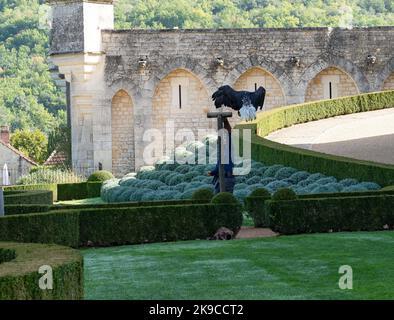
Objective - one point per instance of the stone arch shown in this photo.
(257, 76)
(122, 133)
(183, 98)
(269, 66)
(165, 67)
(342, 64)
(331, 82)
(385, 78)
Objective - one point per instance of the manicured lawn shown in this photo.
(287, 267)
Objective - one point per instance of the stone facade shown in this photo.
(330, 84)
(295, 65)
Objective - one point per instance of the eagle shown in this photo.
(245, 102)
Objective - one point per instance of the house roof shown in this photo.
(19, 153)
(56, 158)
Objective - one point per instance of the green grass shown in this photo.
(287, 267)
(83, 201)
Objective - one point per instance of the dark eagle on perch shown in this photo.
(245, 102)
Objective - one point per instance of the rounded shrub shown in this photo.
(326, 180)
(370, 185)
(224, 198)
(260, 192)
(299, 176)
(284, 173)
(100, 176)
(253, 180)
(202, 194)
(241, 194)
(266, 181)
(284, 194)
(348, 182)
(276, 185)
(272, 170)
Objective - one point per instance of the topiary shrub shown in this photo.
(299, 176)
(348, 182)
(276, 185)
(255, 206)
(260, 192)
(203, 194)
(326, 180)
(224, 198)
(272, 170)
(100, 176)
(285, 173)
(253, 180)
(284, 194)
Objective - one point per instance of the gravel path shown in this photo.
(252, 232)
(364, 136)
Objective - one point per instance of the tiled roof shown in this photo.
(56, 158)
(7, 145)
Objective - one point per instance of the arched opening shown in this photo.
(181, 97)
(389, 83)
(122, 126)
(256, 77)
(330, 83)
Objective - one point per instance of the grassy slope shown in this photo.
(288, 267)
(83, 201)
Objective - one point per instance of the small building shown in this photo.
(18, 164)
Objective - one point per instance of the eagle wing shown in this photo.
(225, 96)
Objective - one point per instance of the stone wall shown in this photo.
(99, 63)
(17, 165)
(341, 85)
(122, 125)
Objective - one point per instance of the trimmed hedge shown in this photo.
(94, 189)
(255, 206)
(270, 152)
(60, 227)
(7, 255)
(103, 227)
(25, 209)
(34, 187)
(331, 214)
(121, 225)
(72, 191)
(126, 204)
(77, 191)
(19, 277)
(100, 176)
(43, 197)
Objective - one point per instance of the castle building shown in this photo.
(122, 83)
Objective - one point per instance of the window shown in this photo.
(330, 86)
(254, 82)
(179, 96)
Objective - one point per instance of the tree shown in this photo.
(31, 143)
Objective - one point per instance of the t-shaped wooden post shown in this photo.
(220, 116)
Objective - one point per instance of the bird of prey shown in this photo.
(246, 103)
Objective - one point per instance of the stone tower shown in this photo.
(76, 49)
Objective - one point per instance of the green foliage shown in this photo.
(31, 187)
(224, 198)
(7, 255)
(47, 176)
(331, 214)
(254, 205)
(93, 189)
(284, 194)
(25, 208)
(100, 176)
(59, 139)
(261, 192)
(246, 14)
(28, 197)
(32, 143)
(121, 225)
(270, 153)
(19, 279)
(155, 224)
(72, 191)
(60, 227)
(203, 194)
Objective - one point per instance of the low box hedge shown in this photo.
(38, 197)
(19, 276)
(331, 214)
(255, 206)
(60, 227)
(34, 187)
(25, 209)
(93, 189)
(270, 152)
(126, 204)
(72, 191)
(127, 225)
(103, 227)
